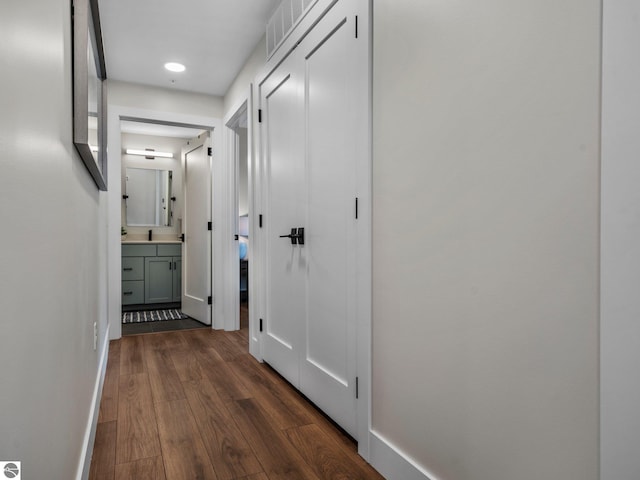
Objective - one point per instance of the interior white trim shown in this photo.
(255, 182)
(289, 42)
(392, 463)
(84, 463)
(619, 243)
(229, 216)
(365, 240)
(114, 171)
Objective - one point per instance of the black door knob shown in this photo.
(293, 236)
(296, 236)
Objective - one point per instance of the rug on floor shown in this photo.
(152, 316)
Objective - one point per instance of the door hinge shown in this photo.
(259, 115)
(357, 389)
(209, 225)
(209, 300)
(260, 220)
(210, 151)
(260, 324)
(356, 208)
(356, 26)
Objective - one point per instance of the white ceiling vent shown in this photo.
(287, 16)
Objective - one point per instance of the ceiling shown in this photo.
(212, 38)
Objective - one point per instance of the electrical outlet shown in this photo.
(95, 335)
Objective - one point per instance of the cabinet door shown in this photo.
(158, 274)
(132, 292)
(177, 279)
(132, 268)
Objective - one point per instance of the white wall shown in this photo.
(52, 250)
(620, 303)
(486, 183)
(164, 99)
(239, 89)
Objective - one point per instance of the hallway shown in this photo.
(194, 404)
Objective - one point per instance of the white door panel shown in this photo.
(328, 366)
(196, 265)
(284, 157)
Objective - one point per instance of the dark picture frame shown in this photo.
(89, 90)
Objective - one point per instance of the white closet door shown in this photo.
(328, 349)
(311, 105)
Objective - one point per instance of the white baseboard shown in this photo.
(92, 422)
(392, 463)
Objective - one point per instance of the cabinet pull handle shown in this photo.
(127, 293)
(128, 269)
(169, 265)
(175, 267)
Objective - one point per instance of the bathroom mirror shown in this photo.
(148, 197)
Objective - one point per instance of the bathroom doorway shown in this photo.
(154, 205)
(165, 236)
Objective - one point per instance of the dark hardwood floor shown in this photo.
(188, 405)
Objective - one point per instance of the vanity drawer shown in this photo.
(169, 250)
(132, 292)
(138, 250)
(132, 268)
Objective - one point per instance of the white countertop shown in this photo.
(152, 242)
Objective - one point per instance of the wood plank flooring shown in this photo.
(189, 405)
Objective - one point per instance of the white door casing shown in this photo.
(239, 118)
(196, 264)
(117, 113)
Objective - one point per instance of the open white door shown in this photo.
(311, 110)
(196, 252)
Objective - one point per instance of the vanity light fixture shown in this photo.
(148, 153)
(174, 67)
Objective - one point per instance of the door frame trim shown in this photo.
(243, 106)
(230, 208)
(114, 197)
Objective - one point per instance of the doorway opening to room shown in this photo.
(166, 194)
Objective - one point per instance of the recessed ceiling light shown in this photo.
(174, 67)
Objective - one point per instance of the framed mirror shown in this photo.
(89, 90)
(148, 197)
